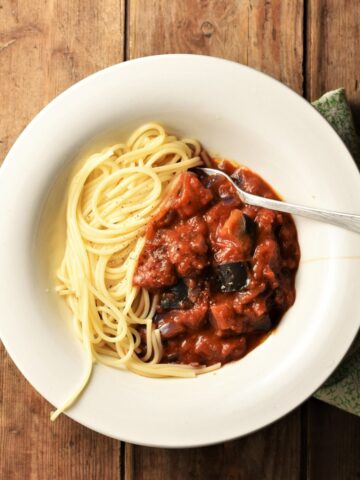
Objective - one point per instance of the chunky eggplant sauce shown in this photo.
(224, 270)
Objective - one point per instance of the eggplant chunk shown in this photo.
(250, 225)
(176, 297)
(230, 277)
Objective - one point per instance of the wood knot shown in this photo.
(207, 29)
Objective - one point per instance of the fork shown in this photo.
(348, 221)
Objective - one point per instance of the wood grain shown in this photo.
(45, 46)
(271, 453)
(333, 60)
(266, 35)
(31, 447)
(333, 443)
(333, 40)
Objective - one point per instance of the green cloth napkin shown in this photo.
(342, 389)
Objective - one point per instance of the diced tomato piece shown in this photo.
(191, 196)
(154, 272)
(266, 262)
(254, 323)
(187, 246)
(233, 349)
(224, 318)
(228, 239)
(223, 351)
(234, 226)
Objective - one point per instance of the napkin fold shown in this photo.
(342, 389)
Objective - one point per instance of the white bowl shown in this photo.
(243, 115)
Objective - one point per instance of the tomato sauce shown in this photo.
(225, 270)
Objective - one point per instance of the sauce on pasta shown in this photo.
(224, 270)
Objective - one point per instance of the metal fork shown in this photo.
(349, 221)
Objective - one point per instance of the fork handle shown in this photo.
(345, 220)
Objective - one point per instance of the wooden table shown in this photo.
(45, 46)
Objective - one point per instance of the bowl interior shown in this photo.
(241, 115)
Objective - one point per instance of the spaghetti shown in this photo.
(111, 200)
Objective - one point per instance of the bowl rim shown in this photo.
(124, 65)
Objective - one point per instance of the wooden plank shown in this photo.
(333, 32)
(271, 453)
(44, 47)
(333, 60)
(266, 35)
(47, 46)
(33, 448)
(333, 443)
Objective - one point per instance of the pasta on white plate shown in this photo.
(111, 199)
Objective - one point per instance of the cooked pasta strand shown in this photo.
(110, 201)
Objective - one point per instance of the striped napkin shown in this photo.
(342, 389)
